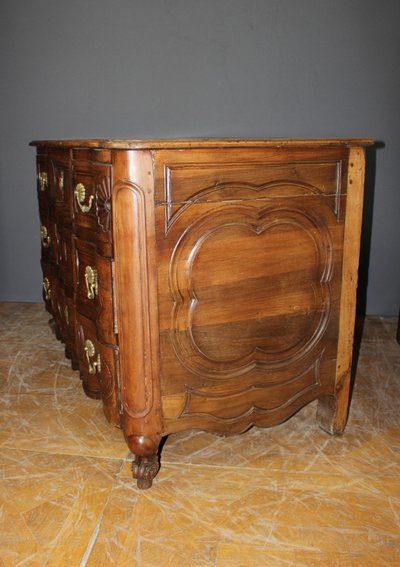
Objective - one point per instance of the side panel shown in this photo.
(333, 411)
(249, 272)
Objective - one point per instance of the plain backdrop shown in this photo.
(200, 68)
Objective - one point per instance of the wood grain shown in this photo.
(137, 312)
(227, 273)
(333, 412)
(190, 143)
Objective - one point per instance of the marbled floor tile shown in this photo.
(231, 555)
(125, 538)
(43, 405)
(297, 445)
(288, 495)
(65, 422)
(50, 506)
(14, 314)
(375, 327)
(390, 324)
(24, 326)
(191, 510)
(18, 377)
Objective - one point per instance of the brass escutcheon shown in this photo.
(80, 195)
(43, 180)
(92, 285)
(45, 237)
(90, 352)
(46, 289)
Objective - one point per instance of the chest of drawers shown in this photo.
(205, 284)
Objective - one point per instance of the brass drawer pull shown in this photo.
(61, 183)
(92, 284)
(80, 195)
(43, 180)
(45, 237)
(46, 289)
(90, 352)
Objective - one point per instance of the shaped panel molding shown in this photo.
(129, 203)
(238, 404)
(232, 182)
(246, 304)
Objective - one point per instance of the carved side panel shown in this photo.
(234, 191)
(224, 324)
(249, 307)
(260, 398)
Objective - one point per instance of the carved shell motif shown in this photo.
(103, 203)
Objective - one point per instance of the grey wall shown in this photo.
(153, 68)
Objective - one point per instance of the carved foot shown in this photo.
(329, 416)
(144, 469)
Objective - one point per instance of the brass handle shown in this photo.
(43, 180)
(80, 195)
(61, 183)
(92, 284)
(45, 237)
(46, 289)
(90, 352)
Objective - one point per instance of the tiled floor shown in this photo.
(290, 495)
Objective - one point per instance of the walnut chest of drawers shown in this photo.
(205, 284)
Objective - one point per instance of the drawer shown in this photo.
(62, 182)
(47, 237)
(94, 297)
(98, 366)
(84, 199)
(61, 173)
(55, 229)
(91, 197)
(63, 193)
(69, 315)
(48, 287)
(66, 258)
(54, 298)
(42, 181)
(91, 155)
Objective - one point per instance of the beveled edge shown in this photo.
(204, 143)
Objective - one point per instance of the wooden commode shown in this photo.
(203, 284)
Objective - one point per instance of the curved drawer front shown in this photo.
(98, 367)
(94, 297)
(92, 204)
(84, 199)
